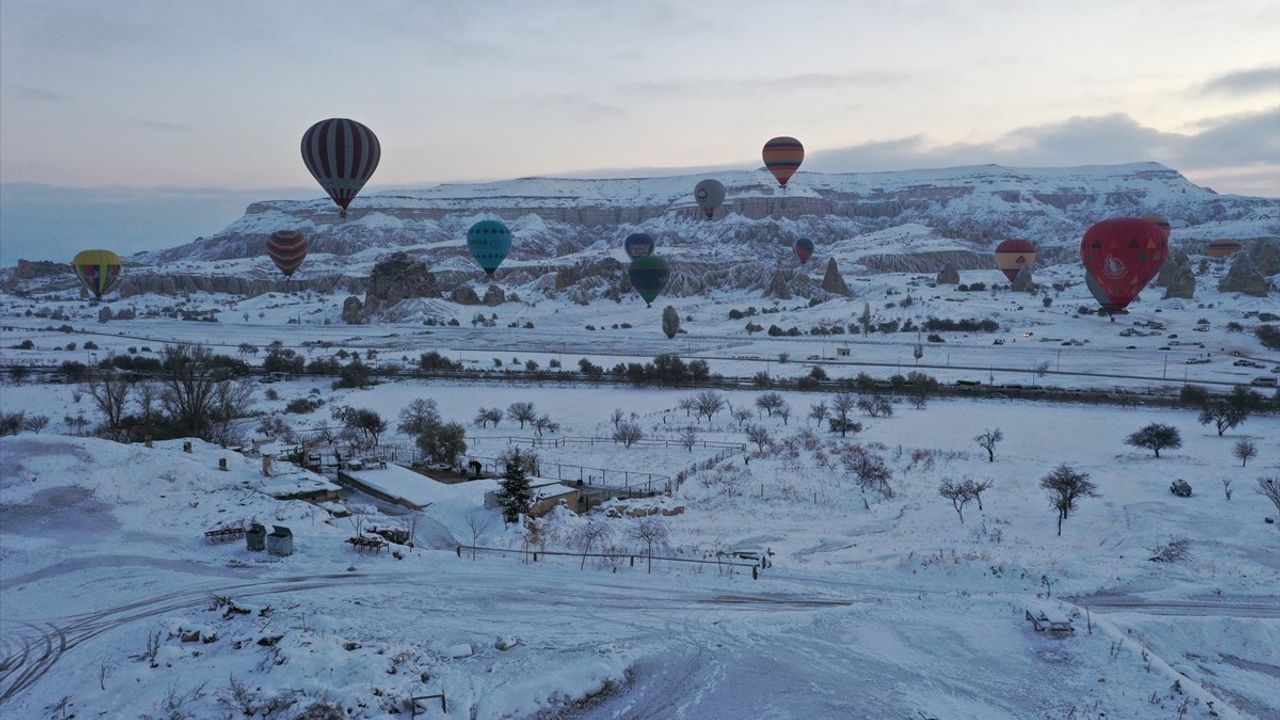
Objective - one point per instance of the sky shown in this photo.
(145, 124)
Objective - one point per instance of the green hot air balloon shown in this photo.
(489, 242)
(649, 275)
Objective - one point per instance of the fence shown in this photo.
(644, 482)
(566, 440)
(756, 567)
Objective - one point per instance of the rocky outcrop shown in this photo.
(1171, 268)
(399, 277)
(1243, 277)
(833, 281)
(780, 285)
(948, 275)
(1023, 282)
(494, 296)
(104, 315)
(32, 269)
(352, 311)
(1182, 284)
(464, 296)
(170, 284)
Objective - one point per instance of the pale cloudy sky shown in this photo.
(209, 99)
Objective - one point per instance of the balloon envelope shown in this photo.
(1013, 255)
(782, 156)
(639, 245)
(1223, 248)
(98, 270)
(804, 249)
(489, 242)
(710, 195)
(287, 248)
(1096, 290)
(1123, 255)
(341, 155)
(649, 275)
(1161, 222)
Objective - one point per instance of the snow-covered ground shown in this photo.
(874, 606)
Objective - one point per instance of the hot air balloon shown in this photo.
(1161, 222)
(341, 155)
(1123, 254)
(649, 275)
(1096, 290)
(709, 194)
(639, 245)
(98, 270)
(287, 248)
(489, 242)
(1223, 248)
(804, 249)
(1013, 255)
(782, 156)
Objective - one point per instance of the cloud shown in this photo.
(162, 125)
(1248, 140)
(34, 93)
(1244, 82)
(779, 84)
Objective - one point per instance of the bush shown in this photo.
(435, 361)
(1269, 336)
(302, 406)
(26, 345)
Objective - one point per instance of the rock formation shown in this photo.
(948, 275)
(833, 281)
(352, 310)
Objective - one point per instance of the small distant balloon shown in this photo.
(710, 195)
(1223, 248)
(803, 249)
(341, 155)
(649, 275)
(287, 249)
(1013, 255)
(1161, 222)
(98, 270)
(782, 157)
(489, 242)
(639, 245)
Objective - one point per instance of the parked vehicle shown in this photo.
(1181, 488)
(1265, 381)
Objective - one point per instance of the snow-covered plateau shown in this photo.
(749, 553)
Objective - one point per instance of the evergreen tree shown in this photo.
(516, 494)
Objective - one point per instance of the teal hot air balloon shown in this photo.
(489, 242)
(649, 275)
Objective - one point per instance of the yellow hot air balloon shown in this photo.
(98, 270)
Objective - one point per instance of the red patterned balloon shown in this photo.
(1123, 255)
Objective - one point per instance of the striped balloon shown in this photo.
(1013, 255)
(341, 155)
(287, 248)
(782, 156)
(98, 270)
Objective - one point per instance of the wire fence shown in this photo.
(619, 560)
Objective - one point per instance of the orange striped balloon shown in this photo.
(782, 157)
(1223, 248)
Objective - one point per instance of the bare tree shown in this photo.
(522, 412)
(758, 435)
(1226, 487)
(689, 437)
(231, 400)
(1066, 486)
(75, 423)
(784, 411)
(147, 396)
(628, 433)
(841, 406)
(959, 493)
(876, 406)
(110, 392)
(35, 423)
(617, 417)
(818, 412)
(1155, 437)
(688, 404)
(1270, 489)
(544, 423)
(482, 417)
(709, 403)
(1176, 550)
(977, 487)
(769, 402)
(193, 395)
(988, 440)
(593, 534)
(871, 473)
(418, 417)
(650, 532)
(740, 415)
(478, 522)
(1244, 450)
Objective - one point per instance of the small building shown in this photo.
(1049, 619)
(842, 351)
(390, 483)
